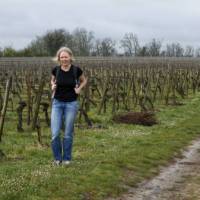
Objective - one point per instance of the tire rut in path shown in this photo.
(171, 181)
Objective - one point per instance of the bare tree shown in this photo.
(144, 51)
(154, 47)
(197, 52)
(82, 40)
(105, 47)
(174, 50)
(130, 44)
(189, 51)
(96, 51)
(170, 50)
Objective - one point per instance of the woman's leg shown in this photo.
(56, 121)
(70, 112)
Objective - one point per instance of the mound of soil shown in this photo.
(175, 103)
(141, 118)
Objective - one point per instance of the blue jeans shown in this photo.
(63, 112)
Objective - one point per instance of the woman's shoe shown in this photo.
(56, 163)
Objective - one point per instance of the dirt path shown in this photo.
(179, 181)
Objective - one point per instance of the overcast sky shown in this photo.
(167, 20)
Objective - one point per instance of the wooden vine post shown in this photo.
(5, 103)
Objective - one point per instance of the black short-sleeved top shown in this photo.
(66, 82)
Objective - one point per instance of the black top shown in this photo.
(66, 82)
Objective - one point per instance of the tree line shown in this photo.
(84, 43)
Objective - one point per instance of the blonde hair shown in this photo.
(64, 49)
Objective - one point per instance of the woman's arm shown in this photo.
(83, 82)
(53, 82)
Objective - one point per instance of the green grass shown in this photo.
(105, 161)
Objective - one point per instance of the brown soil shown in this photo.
(142, 118)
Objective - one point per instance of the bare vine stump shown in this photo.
(20, 109)
(87, 120)
(45, 110)
(38, 128)
(38, 100)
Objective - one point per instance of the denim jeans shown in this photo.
(63, 112)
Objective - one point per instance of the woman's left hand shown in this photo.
(77, 90)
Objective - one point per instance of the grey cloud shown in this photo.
(169, 20)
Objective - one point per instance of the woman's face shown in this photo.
(65, 58)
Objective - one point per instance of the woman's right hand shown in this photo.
(53, 86)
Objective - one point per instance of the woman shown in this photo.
(65, 87)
